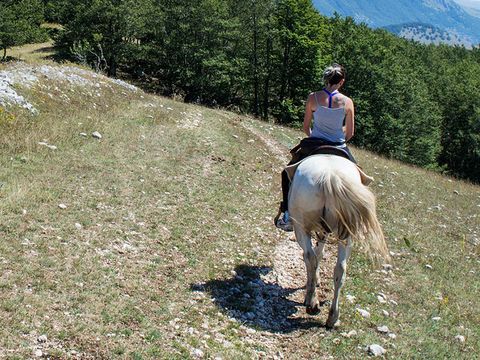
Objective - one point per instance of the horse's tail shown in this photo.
(351, 211)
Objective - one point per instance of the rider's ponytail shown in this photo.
(334, 74)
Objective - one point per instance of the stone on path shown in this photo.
(376, 350)
(364, 313)
(350, 334)
(381, 299)
(197, 353)
(383, 329)
(42, 338)
(460, 338)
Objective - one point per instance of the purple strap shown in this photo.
(330, 96)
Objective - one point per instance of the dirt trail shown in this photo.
(288, 266)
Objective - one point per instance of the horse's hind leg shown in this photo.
(319, 252)
(311, 264)
(339, 279)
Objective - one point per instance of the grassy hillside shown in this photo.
(156, 241)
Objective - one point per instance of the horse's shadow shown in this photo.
(257, 303)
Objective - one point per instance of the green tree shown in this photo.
(254, 42)
(98, 32)
(461, 120)
(302, 51)
(20, 22)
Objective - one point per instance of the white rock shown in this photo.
(436, 318)
(392, 336)
(387, 267)
(383, 329)
(460, 338)
(363, 312)
(350, 298)
(38, 353)
(62, 206)
(385, 313)
(428, 266)
(197, 353)
(381, 299)
(42, 338)
(351, 333)
(83, 134)
(78, 226)
(376, 350)
(52, 147)
(97, 135)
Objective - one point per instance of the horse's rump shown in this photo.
(328, 189)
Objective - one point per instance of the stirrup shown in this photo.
(285, 225)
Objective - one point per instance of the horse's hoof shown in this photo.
(331, 322)
(329, 325)
(313, 310)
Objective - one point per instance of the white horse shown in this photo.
(327, 196)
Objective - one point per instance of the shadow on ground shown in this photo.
(43, 50)
(253, 298)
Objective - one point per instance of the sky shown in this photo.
(475, 3)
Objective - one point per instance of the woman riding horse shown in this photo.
(328, 195)
(333, 124)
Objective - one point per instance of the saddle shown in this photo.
(325, 150)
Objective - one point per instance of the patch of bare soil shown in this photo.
(190, 120)
(279, 151)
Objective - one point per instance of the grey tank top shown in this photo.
(328, 124)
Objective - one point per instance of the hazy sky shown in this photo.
(469, 2)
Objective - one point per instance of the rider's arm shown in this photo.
(307, 120)
(349, 120)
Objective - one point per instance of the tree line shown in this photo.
(416, 103)
(20, 22)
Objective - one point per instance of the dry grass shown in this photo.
(32, 53)
(170, 201)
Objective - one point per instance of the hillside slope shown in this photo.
(443, 14)
(156, 241)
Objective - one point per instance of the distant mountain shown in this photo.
(429, 34)
(470, 6)
(430, 21)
